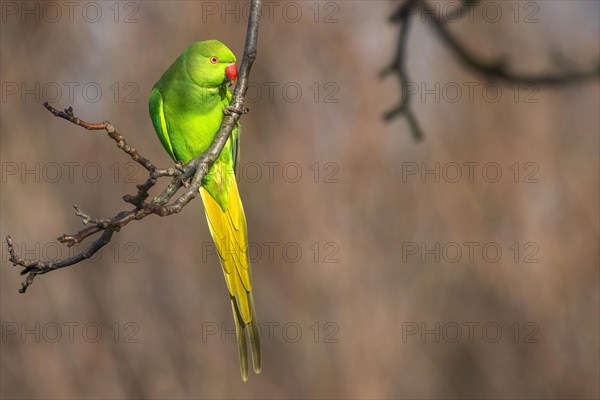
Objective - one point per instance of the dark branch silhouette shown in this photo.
(497, 70)
(398, 66)
(187, 176)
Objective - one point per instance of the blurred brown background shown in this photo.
(348, 310)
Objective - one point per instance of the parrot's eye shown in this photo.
(214, 60)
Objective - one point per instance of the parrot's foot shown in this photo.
(229, 110)
(180, 165)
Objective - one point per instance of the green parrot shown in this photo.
(186, 107)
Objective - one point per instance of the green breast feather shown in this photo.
(186, 112)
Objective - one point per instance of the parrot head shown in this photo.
(210, 63)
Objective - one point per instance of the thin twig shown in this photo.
(398, 66)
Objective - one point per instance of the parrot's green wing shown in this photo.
(158, 120)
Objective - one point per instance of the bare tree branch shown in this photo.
(188, 176)
(498, 69)
(398, 67)
(487, 69)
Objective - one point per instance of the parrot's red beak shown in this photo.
(231, 72)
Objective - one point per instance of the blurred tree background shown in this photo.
(358, 285)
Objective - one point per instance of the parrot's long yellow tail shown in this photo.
(228, 229)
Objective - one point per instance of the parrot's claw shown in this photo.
(180, 166)
(229, 111)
